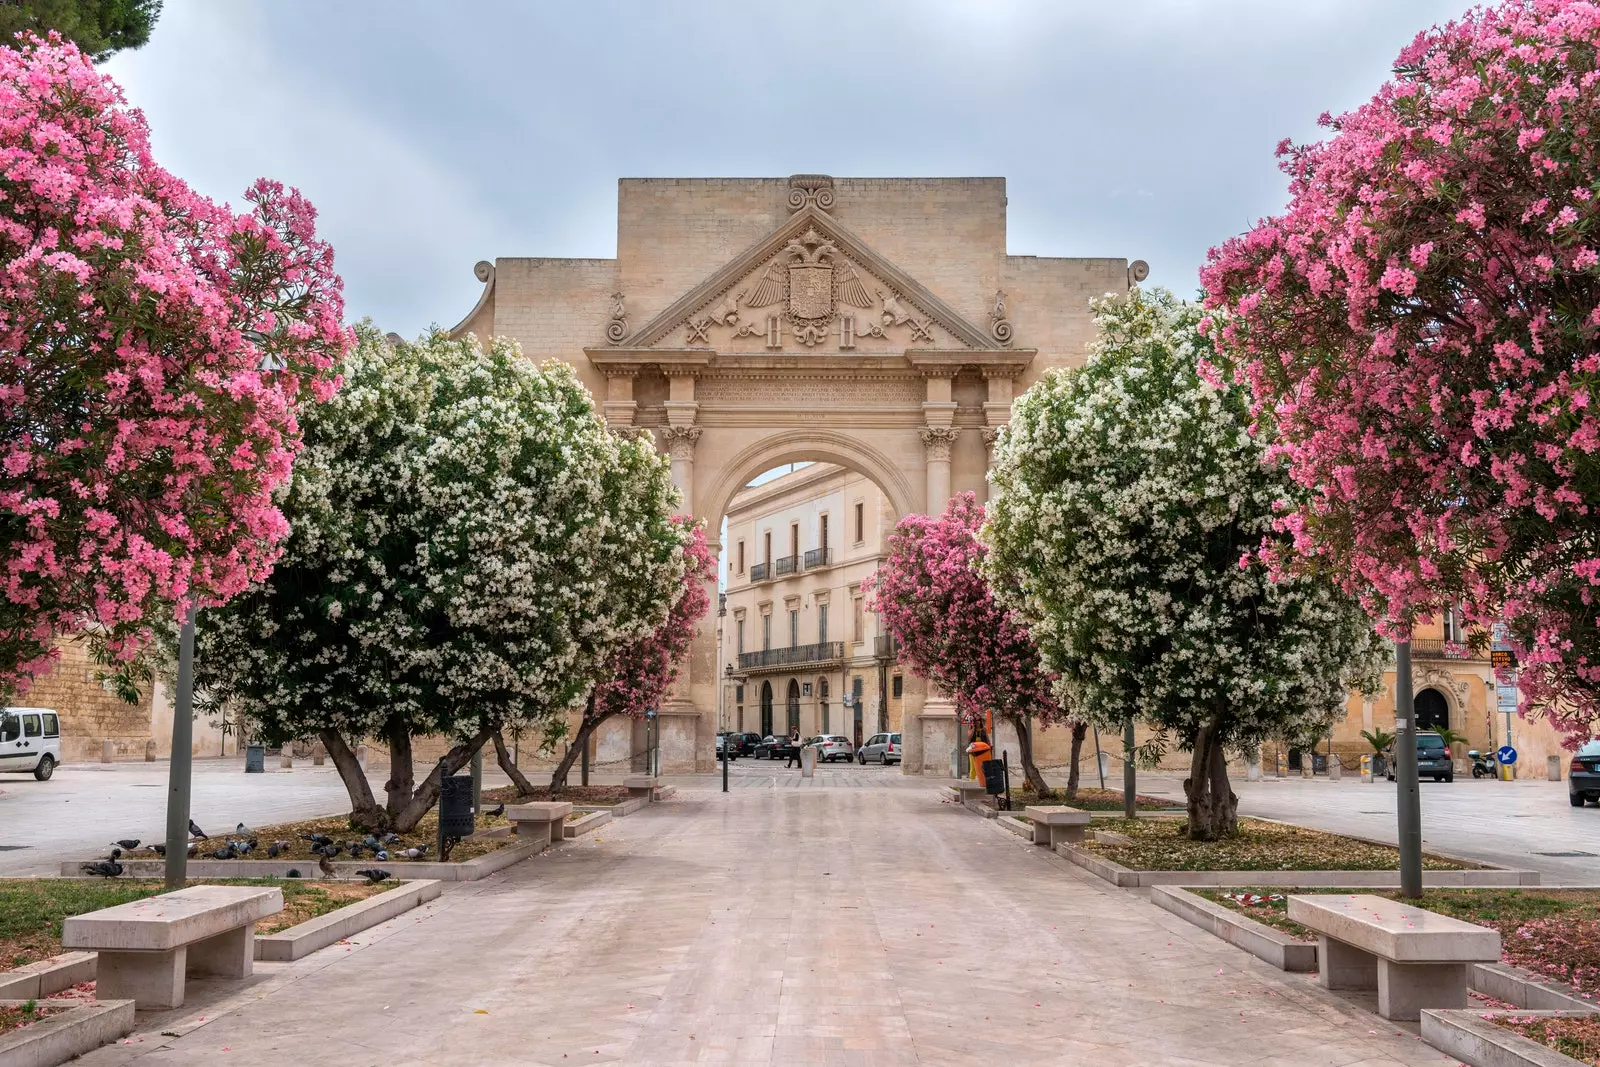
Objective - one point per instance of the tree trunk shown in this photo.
(427, 794)
(1030, 770)
(1213, 807)
(364, 809)
(509, 765)
(586, 729)
(402, 773)
(1080, 730)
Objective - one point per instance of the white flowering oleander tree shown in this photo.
(1130, 502)
(468, 543)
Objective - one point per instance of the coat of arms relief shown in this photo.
(820, 292)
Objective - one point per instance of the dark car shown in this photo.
(744, 744)
(775, 747)
(1433, 759)
(1583, 777)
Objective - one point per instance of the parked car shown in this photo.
(745, 744)
(728, 742)
(831, 747)
(30, 741)
(775, 746)
(1583, 776)
(1433, 759)
(883, 748)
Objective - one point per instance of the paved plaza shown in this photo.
(870, 925)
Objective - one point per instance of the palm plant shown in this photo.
(1380, 740)
(1451, 738)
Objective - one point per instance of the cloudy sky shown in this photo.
(432, 135)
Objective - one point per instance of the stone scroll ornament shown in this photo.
(617, 328)
(1138, 271)
(811, 189)
(999, 324)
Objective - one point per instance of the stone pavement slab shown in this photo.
(851, 926)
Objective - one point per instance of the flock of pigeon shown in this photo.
(244, 842)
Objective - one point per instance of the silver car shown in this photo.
(884, 748)
(831, 747)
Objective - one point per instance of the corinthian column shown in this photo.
(680, 442)
(936, 442)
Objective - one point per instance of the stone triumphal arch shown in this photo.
(874, 323)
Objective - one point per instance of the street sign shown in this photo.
(1506, 755)
(1503, 659)
(1506, 697)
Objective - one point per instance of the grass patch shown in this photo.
(1578, 1038)
(598, 795)
(25, 1014)
(32, 909)
(1160, 845)
(1092, 800)
(1552, 932)
(338, 827)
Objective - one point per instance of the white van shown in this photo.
(30, 740)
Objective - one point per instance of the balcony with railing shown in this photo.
(1437, 648)
(758, 572)
(819, 557)
(793, 656)
(785, 565)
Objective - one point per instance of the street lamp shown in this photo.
(722, 692)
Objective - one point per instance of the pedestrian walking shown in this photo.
(794, 748)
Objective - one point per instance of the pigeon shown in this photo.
(242, 847)
(195, 831)
(129, 843)
(373, 875)
(325, 865)
(273, 850)
(355, 851)
(370, 842)
(294, 872)
(382, 855)
(391, 838)
(329, 851)
(284, 846)
(415, 853)
(317, 839)
(105, 868)
(116, 854)
(161, 850)
(222, 853)
(244, 831)
(497, 812)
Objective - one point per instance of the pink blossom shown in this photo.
(134, 318)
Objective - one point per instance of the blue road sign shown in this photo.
(1506, 755)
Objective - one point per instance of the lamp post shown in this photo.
(1408, 802)
(178, 770)
(722, 692)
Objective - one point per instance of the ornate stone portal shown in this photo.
(808, 318)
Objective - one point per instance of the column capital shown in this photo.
(937, 440)
(681, 441)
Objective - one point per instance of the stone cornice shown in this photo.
(917, 362)
(994, 363)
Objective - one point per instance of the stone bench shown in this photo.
(970, 792)
(542, 820)
(644, 785)
(1056, 823)
(147, 947)
(1414, 958)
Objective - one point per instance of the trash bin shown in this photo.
(456, 818)
(255, 759)
(994, 777)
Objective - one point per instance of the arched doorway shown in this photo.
(794, 706)
(1433, 711)
(766, 709)
(822, 705)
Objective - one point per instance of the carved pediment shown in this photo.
(811, 284)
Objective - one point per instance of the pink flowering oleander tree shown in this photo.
(1421, 328)
(639, 674)
(153, 346)
(953, 632)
